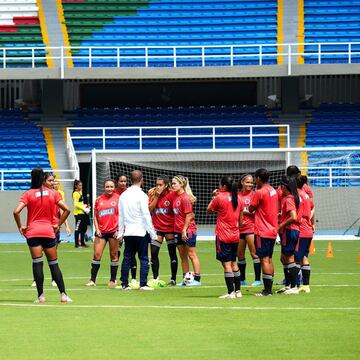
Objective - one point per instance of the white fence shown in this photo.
(230, 55)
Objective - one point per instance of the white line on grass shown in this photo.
(180, 307)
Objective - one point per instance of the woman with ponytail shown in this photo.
(226, 203)
(291, 213)
(185, 227)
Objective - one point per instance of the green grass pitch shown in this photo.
(180, 323)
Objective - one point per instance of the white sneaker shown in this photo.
(238, 294)
(124, 288)
(291, 291)
(304, 288)
(64, 298)
(90, 283)
(282, 290)
(228, 296)
(33, 284)
(146, 288)
(53, 283)
(40, 300)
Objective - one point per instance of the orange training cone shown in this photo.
(312, 249)
(359, 259)
(329, 253)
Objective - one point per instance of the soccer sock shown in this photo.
(229, 280)
(133, 268)
(293, 273)
(299, 274)
(76, 238)
(257, 269)
(114, 265)
(38, 274)
(95, 266)
(286, 275)
(155, 248)
(82, 239)
(57, 275)
(306, 274)
(237, 281)
(197, 277)
(242, 266)
(173, 260)
(268, 282)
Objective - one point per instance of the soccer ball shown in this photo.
(189, 277)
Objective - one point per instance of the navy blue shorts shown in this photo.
(107, 236)
(191, 241)
(289, 239)
(46, 243)
(244, 235)
(226, 252)
(264, 246)
(302, 248)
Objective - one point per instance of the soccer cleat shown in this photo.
(256, 283)
(64, 298)
(172, 283)
(282, 282)
(90, 283)
(134, 284)
(126, 288)
(33, 284)
(146, 288)
(228, 296)
(53, 283)
(194, 283)
(238, 294)
(292, 291)
(112, 284)
(282, 290)
(304, 288)
(243, 282)
(40, 300)
(263, 293)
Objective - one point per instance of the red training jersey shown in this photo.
(266, 205)
(107, 213)
(41, 205)
(306, 227)
(163, 214)
(182, 206)
(119, 191)
(227, 224)
(248, 222)
(287, 205)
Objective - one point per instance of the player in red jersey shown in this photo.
(306, 234)
(161, 199)
(291, 213)
(226, 203)
(247, 225)
(40, 230)
(185, 227)
(121, 184)
(265, 204)
(106, 222)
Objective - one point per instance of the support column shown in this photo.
(52, 99)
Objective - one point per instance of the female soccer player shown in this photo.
(106, 221)
(305, 235)
(265, 204)
(40, 230)
(291, 213)
(247, 230)
(80, 213)
(226, 203)
(185, 227)
(121, 184)
(161, 199)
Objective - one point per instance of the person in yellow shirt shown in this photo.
(56, 188)
(80, 212)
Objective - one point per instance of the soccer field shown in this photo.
(180, 323)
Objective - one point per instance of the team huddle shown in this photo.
(128, 217)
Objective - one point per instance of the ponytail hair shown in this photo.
(232, 187)
(184, 182)
(291, 185)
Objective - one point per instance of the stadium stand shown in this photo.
(334, 125)
(20, 27)
(167, 117)
(22, 146)
(170, 23)
(332, 22)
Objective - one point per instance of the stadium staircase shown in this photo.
(329, 21)
(170, 23)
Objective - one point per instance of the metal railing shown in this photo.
(174, 56)
(179, 133)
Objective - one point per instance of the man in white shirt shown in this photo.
(134, 224)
